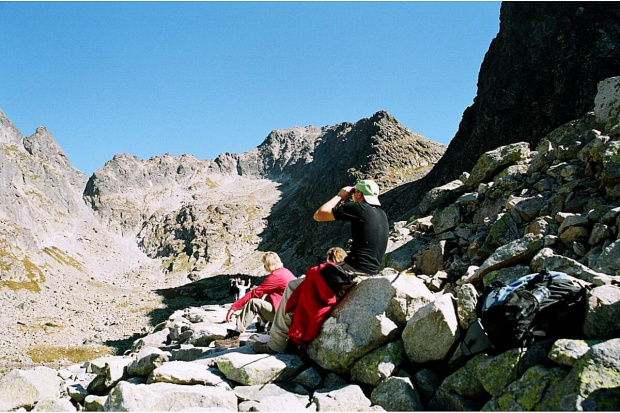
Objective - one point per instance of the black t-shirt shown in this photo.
(369, 231)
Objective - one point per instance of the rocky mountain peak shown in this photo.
(9, 134)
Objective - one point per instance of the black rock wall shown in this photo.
(540, 72)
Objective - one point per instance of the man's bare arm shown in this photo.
(324, 213)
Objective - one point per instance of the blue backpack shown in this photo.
(545, 305)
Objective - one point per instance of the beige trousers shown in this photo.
(281, 320)
(254, 307)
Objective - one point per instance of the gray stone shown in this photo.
(156, 339)
(23, 388)
(609, 260)
(600, 232)
(594, 373)
(431, 331)
(506, 275)
(184, 372)
(446, 218)
(396, 394)
(517, 252)
(271, 397)
(426, 382)
(187, 352)
(349, 398)
(167, 397)
(441, 196)
(467, 299)
(378, 364)
(368, 317)
(566, 352)
(310, 379)
(547, 259)
(147, 360)
(109, 371)
(251, 369)
(606, 107)
(430, 260)
(94, 403)
(603, 312)
(206, 332)
(528, 208)
(54, 405)
(491, 162)
(527, 392)
(495, 373)
(76, 391)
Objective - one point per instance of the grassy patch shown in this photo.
(8, 264)
(63, 258)
(74, 354)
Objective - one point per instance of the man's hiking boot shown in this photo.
(230, 340)
(262, 348)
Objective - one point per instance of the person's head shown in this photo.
(336, 254)
(272, 261)
(367, 190)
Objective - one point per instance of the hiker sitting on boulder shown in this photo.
(252, 303)
(369, 225)
(305, 305)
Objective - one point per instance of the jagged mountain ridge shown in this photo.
(540, 72)
(213, 214)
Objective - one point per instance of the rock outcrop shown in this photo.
(540, 72)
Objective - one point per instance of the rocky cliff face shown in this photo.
(540, 72)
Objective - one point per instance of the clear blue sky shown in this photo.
(203, 78)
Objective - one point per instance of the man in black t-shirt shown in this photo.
(369, 224)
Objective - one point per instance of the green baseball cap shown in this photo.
(370, 189)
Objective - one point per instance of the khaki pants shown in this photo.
(281, 320)
(254, 307)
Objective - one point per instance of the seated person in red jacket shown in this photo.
(253, 303)
(306, 304)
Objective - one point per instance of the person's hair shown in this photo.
(272, 261)
(336, 254)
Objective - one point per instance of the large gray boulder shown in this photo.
(526, 393)
(129, 397)
(371, 315)
(23, 388)
(591, 382)
(430, 333)
(396, 394)
(517, 252)
(493, 161)
(603, 313)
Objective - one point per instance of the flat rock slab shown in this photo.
(251, 369)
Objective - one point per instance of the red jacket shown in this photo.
(273, 286)
(311, 303)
